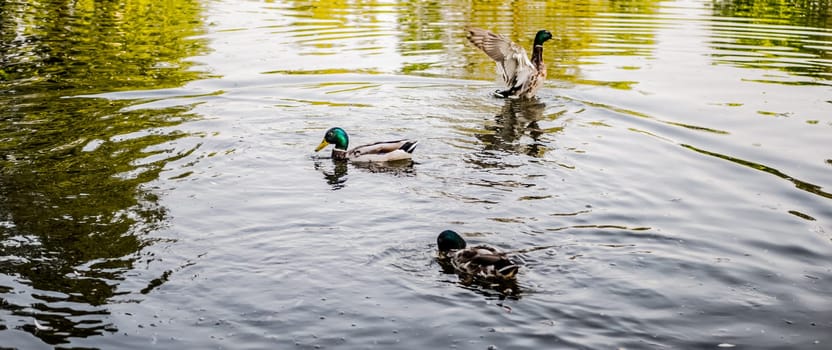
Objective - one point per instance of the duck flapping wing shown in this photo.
(513, 64)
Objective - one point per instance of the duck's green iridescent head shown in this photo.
(449, 240)
(541, 37)
(337, 137)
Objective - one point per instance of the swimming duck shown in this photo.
(375, 152)
(521, 76)
(480, 261)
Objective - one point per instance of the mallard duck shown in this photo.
(521, 76)
(375, 152)
(480, 261)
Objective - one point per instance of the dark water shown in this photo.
(670, 188)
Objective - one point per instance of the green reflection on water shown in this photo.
(778, 35)
(787, 36)
(578, 27)
(72, 206)
(426, 31)
(808, 13)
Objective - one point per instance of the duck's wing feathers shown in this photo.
(383, 151)
(513, 64)
(484, 261)
(495, 46)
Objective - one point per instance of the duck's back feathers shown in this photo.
(483, 262)
(383, 151)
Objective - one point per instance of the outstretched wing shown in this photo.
(513, 64)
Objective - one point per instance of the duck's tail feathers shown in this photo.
(507, 269)
(409, 146)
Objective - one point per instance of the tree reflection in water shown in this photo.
(74, 210)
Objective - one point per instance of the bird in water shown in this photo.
(477, 262)
(375, 152)
(521, 76)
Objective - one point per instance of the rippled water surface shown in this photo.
(671, 187)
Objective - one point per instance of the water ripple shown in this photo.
(159, 186)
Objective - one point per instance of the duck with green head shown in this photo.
(480, 261)
(387, 151)
(522, 77)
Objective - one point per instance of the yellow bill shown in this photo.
(322, 145)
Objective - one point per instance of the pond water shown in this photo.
(671, 187)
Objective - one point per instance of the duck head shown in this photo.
(335, 136)
(541, 37)
(449, 240)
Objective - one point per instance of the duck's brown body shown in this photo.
(482, 261)
(478, 262)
